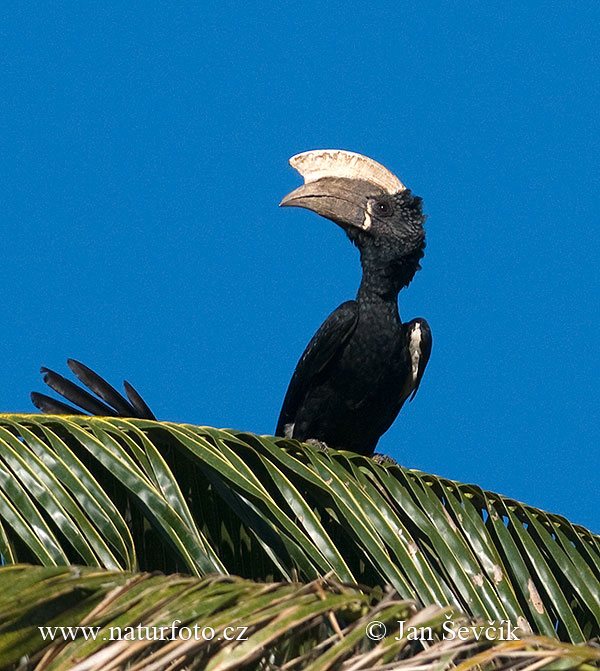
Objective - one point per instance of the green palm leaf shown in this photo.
(136, 494)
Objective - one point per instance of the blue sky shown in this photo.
(144, 152)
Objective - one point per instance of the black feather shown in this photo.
(101, 388)
(76, 394)
(142, 411)
(51, 406)
(121, 407)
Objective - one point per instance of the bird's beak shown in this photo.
(340, 199)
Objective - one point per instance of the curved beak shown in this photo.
(342, 200)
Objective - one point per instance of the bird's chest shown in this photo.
(375, 363)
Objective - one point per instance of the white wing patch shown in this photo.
(288, 430)
(414, 347)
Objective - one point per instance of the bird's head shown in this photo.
(378, 213)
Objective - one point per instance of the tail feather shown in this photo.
(101, 388)
(141, 408)
(113, 404)
(50, 406)
(76, 394)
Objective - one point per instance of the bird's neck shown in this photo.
(382, 281)
(377, 288)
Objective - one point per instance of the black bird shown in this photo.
(363, 362)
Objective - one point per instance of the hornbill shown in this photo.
(363, 362)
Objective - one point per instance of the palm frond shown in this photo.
(80, 619)
(137, 494)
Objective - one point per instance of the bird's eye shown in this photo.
(383, 208)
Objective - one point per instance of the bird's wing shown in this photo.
(324, 345)
(112, 404)
(418, 337)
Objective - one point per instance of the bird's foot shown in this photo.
(319, 444)
(384, 459)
